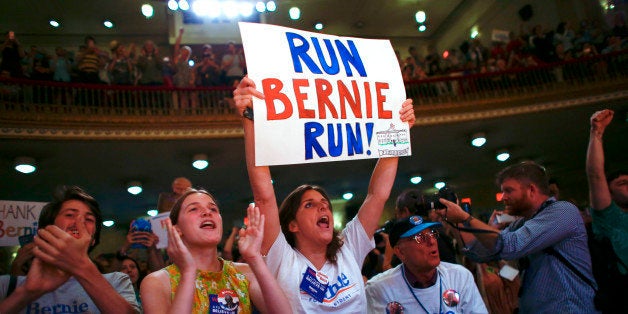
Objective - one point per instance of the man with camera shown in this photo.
(422, 283)
(549, 239)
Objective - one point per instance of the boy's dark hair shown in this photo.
(66, 193)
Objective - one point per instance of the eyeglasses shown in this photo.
(424, 237)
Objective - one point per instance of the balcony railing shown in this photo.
(28, 103)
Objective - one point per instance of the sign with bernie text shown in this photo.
(18, 219)
(326, 98)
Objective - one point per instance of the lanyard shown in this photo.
(440, 303)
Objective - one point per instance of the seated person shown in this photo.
(62, 276)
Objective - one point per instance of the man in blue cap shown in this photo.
(422, 283)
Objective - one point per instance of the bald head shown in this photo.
(179, 185)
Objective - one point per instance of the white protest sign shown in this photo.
(327, 98)
(18, 219)
(158, 225)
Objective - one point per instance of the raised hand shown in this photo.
(43, 278)
(407, 112)
(600, 120)
(58, 248)
(243, 94)
(250, 241)
(178, 252)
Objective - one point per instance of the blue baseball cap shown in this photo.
(408, 227)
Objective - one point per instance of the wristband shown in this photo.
(248, 113)
(467, 222)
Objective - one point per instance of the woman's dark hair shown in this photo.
(66, 193)
(176, 208)
(141, 274)
(288, 213)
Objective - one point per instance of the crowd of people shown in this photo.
(525, 48)
(124, 64)
(290, 258)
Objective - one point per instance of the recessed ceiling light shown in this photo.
(184, 5)
(420, 17)
(152, 212)
(54, 23)
(319, 26)
(503, 155)
(295, 13)
(200, 161)
(416, 179)
(422, 28)
(439, 184)
(260, 6)
(478, 139)
(108, 223)
(173, 5)
(271, 6)
(134, 187)
(25, 165)
(108, 24)
(147, 10)
(347, 196)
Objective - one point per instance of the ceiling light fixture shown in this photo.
(25, 165)
(147, 10)
(134, 187)
(54, 23)
(108, 24)
(200, 161)
(319, 26)
(503, 155)
(416, 179)
(478, 139)
(108, 223)
(295, 13)
(439, 184)
(347, 196)
(422, 28)
(271, 6)
(420, 17)
(173, 5)
(152, 212)
(260, 6)
(184, 5)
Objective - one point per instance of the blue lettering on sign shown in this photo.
(335, 142)
(299, 47)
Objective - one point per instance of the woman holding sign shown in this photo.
(318, 267)
(201, 282)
